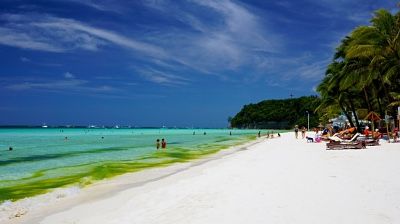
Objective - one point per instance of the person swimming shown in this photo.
(158, 144)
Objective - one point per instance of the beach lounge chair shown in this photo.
(369, 141)
(336, 138)
(339, 143)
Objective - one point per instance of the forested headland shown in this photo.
(278, 114)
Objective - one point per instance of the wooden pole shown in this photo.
(387, 126)
(373, 128)
(398, 120)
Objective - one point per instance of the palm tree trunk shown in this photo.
(355, 115)
(346, 114)
(385, 91)
(380, 106)
(367, 99)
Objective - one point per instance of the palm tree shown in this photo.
(330, 89)
(365, 72)
(380, 44)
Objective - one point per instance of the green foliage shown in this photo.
(278, 114)
(365, 72)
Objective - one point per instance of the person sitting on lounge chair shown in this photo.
(367, 132)
(336, 138)
(377, 134)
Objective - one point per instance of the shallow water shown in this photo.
(46, 158)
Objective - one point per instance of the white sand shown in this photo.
(281, 180)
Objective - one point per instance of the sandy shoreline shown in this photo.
(281, 180)
(32, 210)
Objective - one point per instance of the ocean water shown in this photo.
(43, 159)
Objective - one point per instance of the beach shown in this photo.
(279, 180)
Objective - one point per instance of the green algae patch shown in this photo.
(44, 181)
(36, 158)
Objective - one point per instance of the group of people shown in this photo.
(303, 131)
(162, 144)
(345, 133)
(268, 135)
(376, 134)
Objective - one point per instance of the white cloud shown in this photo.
(314, 70)
(47, 33)
(100, 5)
(67, 85)
(25, 59)
(234, 38)
(20, 39)
(70, 25)
(69, 75)
(234, 42)
(357, 11)
(50, 85)
(304, 68)
(163, 78)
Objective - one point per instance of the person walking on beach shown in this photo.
(296, 131)
(158, 144)
(303, 132)
(163, 144)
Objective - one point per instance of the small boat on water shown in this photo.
(44, 126)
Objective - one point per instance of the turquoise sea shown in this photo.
(46, 158)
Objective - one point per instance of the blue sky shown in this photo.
(164, 62)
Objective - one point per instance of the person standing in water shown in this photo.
(158, 144)
(163, 144)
